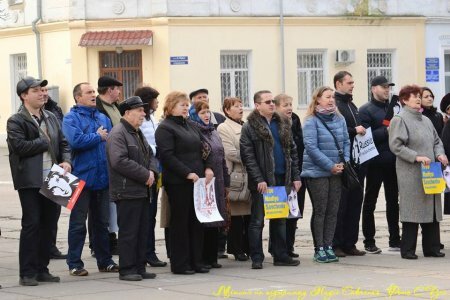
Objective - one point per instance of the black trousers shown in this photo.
(38, 218)
(186, 232)
(210, 243)
(53, 248)
(430, 237)
(377, 174)
(133, 219)
(237, 242)
(349, 214)
(153, 209)
(291, 224)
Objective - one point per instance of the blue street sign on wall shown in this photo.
(179, 60)
(432, 69)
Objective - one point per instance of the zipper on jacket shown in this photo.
(124, 182)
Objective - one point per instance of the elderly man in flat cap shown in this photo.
(35, 143)
(108, 103)
(203, 95)
(132, 168)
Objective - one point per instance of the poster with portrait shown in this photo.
(205, 203)
(275, 203)
(63, 189)
(294, 210)
(432, 179)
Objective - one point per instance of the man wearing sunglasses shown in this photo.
(269, 155)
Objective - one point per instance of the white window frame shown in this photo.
(309, 88)
(446, 52)
(379, 69)
(16, 75)
(248, 53)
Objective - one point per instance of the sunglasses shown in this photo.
(268, 102)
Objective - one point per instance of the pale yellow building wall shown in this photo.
(23, 42)
(57, 64)
(64, 63)
(203, 44)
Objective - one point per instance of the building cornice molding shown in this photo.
(147, 23)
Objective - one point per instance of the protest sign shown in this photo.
(275, 202)
(205, 203)
(364, 147)
(63, 189)
(432, 180)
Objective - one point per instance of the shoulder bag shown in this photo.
(349, 176)
(239, 186)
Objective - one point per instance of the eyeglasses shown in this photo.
(268, 102)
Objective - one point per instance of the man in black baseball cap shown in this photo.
(380, 169)
(29, 82)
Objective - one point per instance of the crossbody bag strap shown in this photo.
(341, 153)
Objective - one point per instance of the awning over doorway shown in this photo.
(116, 38)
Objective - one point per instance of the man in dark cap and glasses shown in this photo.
(35, 143)
(133, 169)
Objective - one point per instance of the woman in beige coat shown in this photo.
(413, 139)
(230, 133)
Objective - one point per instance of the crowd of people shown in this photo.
(128, 160)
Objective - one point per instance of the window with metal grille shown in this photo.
(125, 67)
(447, 72)
(310, 74)
(379, 63)
(18, 71)
(234, 76)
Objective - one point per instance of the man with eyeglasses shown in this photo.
(269, 155)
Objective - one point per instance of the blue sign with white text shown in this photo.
(432, 69)
(179, 60)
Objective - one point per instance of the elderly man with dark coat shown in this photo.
(132, 167)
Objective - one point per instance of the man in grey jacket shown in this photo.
(132, 168)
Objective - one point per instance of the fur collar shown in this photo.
(256, 121)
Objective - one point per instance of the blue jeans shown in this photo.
(97, 202)
(277, 231)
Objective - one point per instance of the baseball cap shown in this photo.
(380, 80)
(29, 82)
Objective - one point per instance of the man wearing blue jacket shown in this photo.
(86, 130)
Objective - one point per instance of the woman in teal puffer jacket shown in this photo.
(322, 168)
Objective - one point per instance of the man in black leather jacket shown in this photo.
(380, 169)
(35, 143)
(347, 226)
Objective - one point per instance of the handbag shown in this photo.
(349, 176)
(239, 186)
